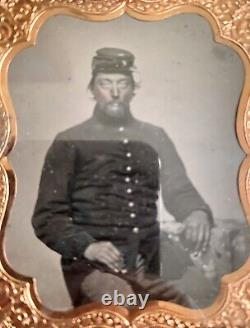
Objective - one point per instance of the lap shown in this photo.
(98, 283)
(87, 284)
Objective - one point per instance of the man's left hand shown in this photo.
(197, 231)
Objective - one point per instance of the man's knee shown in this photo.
(98, 283)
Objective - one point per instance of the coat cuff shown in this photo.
(75, 246)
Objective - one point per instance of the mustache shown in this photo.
(118, 102)
(118, 105)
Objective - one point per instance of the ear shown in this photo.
(91, 94)
(133, 94)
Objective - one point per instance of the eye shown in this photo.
(105, 84)
(123, 84)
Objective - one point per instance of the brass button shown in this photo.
(125, 141)
(121, 129)
(129, 191)
(128, 154)
(131, 204)
(132, 215)
(128, 168)
(127, 179)
(135, 230)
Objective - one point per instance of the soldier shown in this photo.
(97, 201)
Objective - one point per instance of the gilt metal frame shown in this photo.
(20, 21)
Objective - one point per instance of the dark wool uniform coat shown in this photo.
(100, 182)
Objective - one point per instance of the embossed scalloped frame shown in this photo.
(20, 21)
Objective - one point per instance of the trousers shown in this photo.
(89, 286)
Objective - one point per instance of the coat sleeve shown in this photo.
(52, 218)
(179, 194)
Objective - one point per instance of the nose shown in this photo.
(115, 92)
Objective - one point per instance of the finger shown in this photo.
(140, 269)
(113, 249)
(106, 258)
(188, 233)
(206, 239)
(111, 259)
(117, 264)
(195, 233)
(138, 258)
(200, 239)
(113, 256)
(140, 264)
(108, 263)
(112, 265)
(188, 220)
(139, 261)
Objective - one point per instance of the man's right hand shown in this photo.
(106, 253)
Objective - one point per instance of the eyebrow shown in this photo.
(108, 80)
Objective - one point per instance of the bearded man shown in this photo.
(97, 201)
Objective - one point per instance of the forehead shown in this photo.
(112, 76)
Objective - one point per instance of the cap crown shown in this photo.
(113, 60)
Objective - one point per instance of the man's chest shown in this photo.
(123, 157)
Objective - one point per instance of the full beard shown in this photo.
(116, 110)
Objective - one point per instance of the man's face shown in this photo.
(113, 93)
